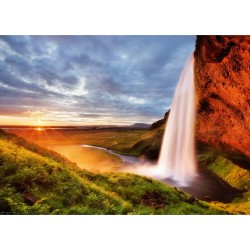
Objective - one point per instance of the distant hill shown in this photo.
(140, 125)
(34, 180)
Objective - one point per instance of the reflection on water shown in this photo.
(124, 158)
(93, 158)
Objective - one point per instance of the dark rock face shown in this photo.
(222, 78)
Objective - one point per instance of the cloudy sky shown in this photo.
(82, 80)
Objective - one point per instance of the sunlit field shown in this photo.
(68, 143)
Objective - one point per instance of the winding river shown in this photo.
(125, 158)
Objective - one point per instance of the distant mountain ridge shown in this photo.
(140, 125)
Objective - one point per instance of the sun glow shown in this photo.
(39, 129)
(39, 123)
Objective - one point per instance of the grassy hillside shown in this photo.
(236, 175)
(148, 144)
(34, 180)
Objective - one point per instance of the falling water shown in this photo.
(177, 158)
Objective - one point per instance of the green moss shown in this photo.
(224, 168)
(234, 175)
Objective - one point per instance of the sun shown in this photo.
(39, 124)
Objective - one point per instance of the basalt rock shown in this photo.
(222, 79)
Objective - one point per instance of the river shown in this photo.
(125, 158)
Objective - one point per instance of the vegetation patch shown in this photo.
(37, 181)
(224, 168)
(236, 176)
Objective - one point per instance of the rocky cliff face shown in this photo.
(222, 78)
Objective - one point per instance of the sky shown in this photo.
(87, 80)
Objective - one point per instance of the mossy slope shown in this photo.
(38, 181)
(233, 174)
(149, 143)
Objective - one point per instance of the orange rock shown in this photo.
(222, 79)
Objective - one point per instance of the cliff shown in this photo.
(161, 122)
(222, 79)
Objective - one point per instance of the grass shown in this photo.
(236, 176)
(34, 180)
(224, 168)
(148, 144)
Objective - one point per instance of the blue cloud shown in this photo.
(126, 77)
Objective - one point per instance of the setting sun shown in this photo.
(39, 129)
(39, 122)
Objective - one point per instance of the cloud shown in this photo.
(90, 115)
(19, 44)
(125, 78)
(12, 111)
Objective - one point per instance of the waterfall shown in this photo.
(177, 157)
